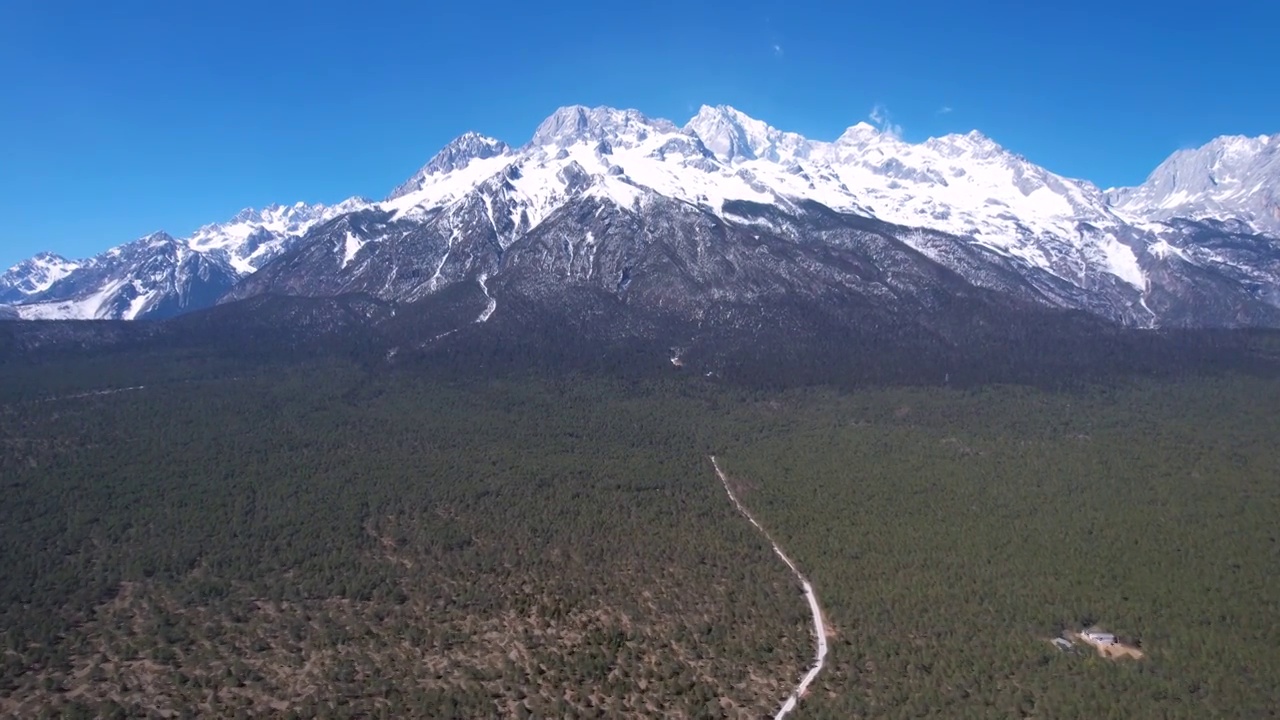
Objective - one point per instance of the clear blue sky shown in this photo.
(121, 118)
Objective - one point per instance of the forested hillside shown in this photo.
(325, 539)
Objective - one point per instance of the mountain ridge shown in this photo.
(961, 200)
(1230, 177)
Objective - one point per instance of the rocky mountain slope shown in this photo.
(1231, 178)
(727, 209)
(159, 276)
(32, 277)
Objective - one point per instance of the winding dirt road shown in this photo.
(819, 630)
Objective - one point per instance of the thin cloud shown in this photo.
(777, 50)
(883, 119)
(944, 110)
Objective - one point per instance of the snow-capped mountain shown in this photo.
(158, 276)
(728, 208)
(254, 236)
(1231, 178)
(453, 157)
(964, 185)
(963, 201)
(34, 276)
(959, 184)
(155, 276)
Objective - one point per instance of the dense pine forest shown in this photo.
(333, 539)
(951, 535)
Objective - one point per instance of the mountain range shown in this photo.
(727, 221)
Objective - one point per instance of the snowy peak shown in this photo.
(1230, 177)
(576, 123)
(859, 134)
(960, 199)
(723, 133)
(34, 276)
(964, 184)
(157, 239)
(971, 144)
(153, 276)
(253, 237)
(573, 149)
(279, 218)
(732, 136)
(462, 153)
(158, 275)
(462, 150)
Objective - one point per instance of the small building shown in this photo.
(1097, 637)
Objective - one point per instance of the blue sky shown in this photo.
(126, 117)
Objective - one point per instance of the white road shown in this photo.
(819, 630)
(94, 393)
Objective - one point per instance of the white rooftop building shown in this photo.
(1097, 637)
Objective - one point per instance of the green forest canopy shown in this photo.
(323, 539)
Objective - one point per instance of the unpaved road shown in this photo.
(819, 631)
